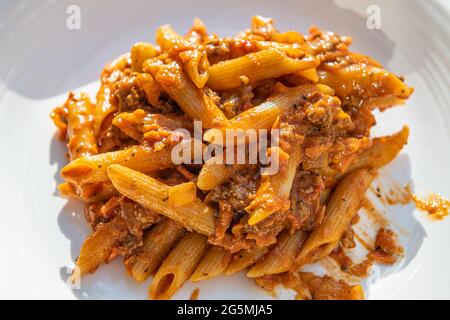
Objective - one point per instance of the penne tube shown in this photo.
(140, 52)
(178, 266)
(167, 38)
(196, 66)
(213, 174)
(151, 89)
(154, 195)
(93, 168)
(382, 151)
(182, 194)
(244, 259)
(104, 110)
(273, 193)
(342, 207)
(213, 264)
(98, 247)
(194, 102)
(371, 85)
(157, 244)
(79, 116)
(264, 115)
(89, 193)
(136, 124)
(309, 74)
(254, 67)
(281, 257)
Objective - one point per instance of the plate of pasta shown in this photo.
(197, 151)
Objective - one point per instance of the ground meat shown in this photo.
(128, 96)
(386, 249)
(327, 46)
(128, 214)
(137, 217)
(348, 238)
(328, 288)
(305, 199)
(240, 189)
(98, 213)
(308, 286)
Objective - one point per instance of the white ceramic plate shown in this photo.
(41, 59)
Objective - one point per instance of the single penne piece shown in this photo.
(254, 67)
(309, 74)
(140, 52)
(213, 264)
(93, 168)
(194, 102)
(151, 89)
(382, 151)
(89, 193)
(157, 244)
(178, 266)
(80, 126)
(264, 115)
(273, 193)
(244, 259)
(167, 38)
(281, 257)
(104, 110)
(136, 124)
(98, 247)
(292, 49)
(196, 66)
(368, 84)
(213, 173)
(153, 194)
(342, 207)
(182, 194)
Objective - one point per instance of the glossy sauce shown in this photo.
(435, 205)
(374, 214)
(194, 294)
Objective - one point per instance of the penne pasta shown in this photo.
(136, 124)
(168, 39)
(80, 126)
(98, 247)
(182, 194)
(89, 193)
(152, 194)
(178, 266)
(273, 194)
(264, 115)
(254, 67)
(191, 99)
(288, 156)
(140, 52)
(93, 168)
(213, 264)
(196, 66)
(371, 85)
(151, 89)
(244, 259)
(382, 151)
(157, 244)
(342, 207)
(104, 110)
(213, 174)
(281, 257)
